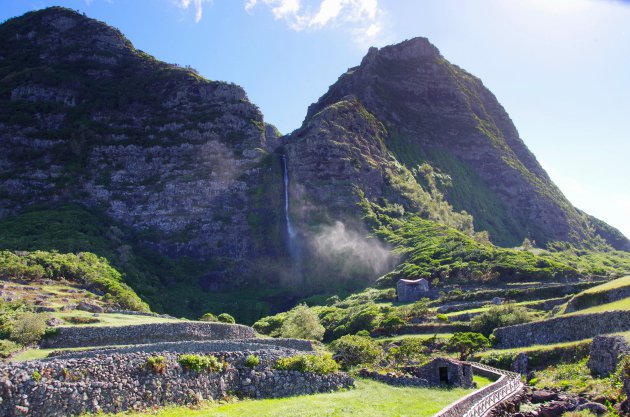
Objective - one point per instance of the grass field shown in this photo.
(414, 336)
(623, 304)
(112, 319)
(611, 285)
(369, 399)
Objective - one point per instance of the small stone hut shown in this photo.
(408, 290)
(444, 371)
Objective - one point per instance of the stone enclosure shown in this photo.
(562, 329)
(123, 381)
(111, 380)
(66, 337)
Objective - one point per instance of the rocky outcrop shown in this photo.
(606, 352)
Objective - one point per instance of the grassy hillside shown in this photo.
(444, 255)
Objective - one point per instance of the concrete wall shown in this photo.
(145, 333)
(118, 382)
(562, 329)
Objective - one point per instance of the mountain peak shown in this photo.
(410, 49)
(59, 28)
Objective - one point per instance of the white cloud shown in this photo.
(197, 5)
(362, 17)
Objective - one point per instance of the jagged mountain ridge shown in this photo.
(435, 112)
(193, 168)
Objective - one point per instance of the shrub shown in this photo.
(420, 308)
(499, 316)
(363, 333)
(466, 343)
(270, 325)
(252, 361)
(200, 363)
(29, 328)
(354, 350)
(209, 317)
(316, 364)
(7, 347)
(392, 322)
(37, 376)
(409, 349)
(226, 318)
(156, 363)
(81, 320)
(302, 323)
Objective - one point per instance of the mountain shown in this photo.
(88, 119)
(408, 166)
(424, 115)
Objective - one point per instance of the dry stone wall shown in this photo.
(66, 337)
(206, 346)
(118, 382)
(562, 329)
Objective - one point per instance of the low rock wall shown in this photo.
(66, 337)
(562, 329)
(118, 382)
(207, 346)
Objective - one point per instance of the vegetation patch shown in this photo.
(201, 363)
(321, 364)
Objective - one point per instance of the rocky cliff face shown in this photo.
(89, 119)
(432, 112)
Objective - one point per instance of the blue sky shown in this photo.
(561, 68)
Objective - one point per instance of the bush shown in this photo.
(7, 347)
(354, 350)
(500, 316)
(363, 333)
(408, 350)
(226, 318)
(302, 323)
(28, 328)
(81, 320)
(270, 325)
(392, 322)
(316, 364)
(252, 361)
(200, 363)
(209, 317)
(466, 343)
(156, 363)
(37, 376)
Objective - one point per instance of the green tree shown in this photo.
(500, 316)
(302, 323)
(466, 343)
(28, 328)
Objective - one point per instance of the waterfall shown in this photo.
(287, 217)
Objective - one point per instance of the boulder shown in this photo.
(606, 352)
(543, 396)
(92, 308)
(595, 408)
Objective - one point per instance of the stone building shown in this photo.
(408, 290)
(444, 371)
